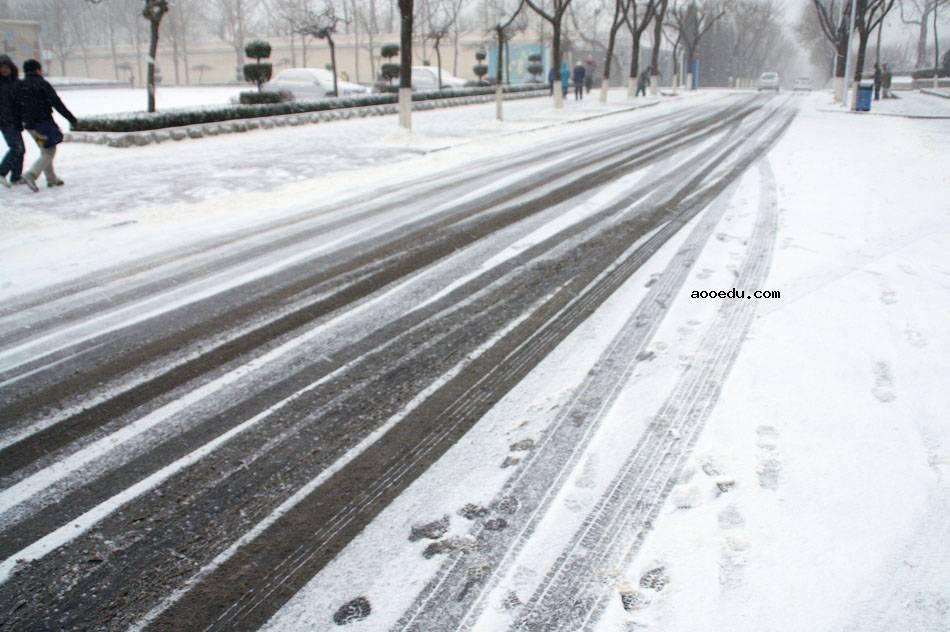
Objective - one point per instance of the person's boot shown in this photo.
(55, 182)
(29, 180)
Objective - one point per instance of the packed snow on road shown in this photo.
(667, 363)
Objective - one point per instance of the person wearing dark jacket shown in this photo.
(38, 99)
(10, 124)
(878, 79)
(580, 73)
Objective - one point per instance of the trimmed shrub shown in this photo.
(390, 72)
(928, 73)
(258, 50)
(255, 98)
(258, 73)
(143, 121)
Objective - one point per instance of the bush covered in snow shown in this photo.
(143, 121)
(256, 98)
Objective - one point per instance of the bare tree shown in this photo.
(324, 25)
(869, 15)
(60, 35)
(620, 18)
(554, 18)
(154, 11)
(229, 19)
(439, 24)
(637, 24)
(756, 28)
(917, 14)
(660, 10)
(693, 21)
(834, 19)
(504, 28)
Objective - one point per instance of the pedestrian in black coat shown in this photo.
(580, 73)
(878, 80)
(38, 99)
(11, 124)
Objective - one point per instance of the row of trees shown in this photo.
(825, 32)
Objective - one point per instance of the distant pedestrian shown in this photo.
(878, 81)
(37, 101)
(886, 82)
(11, 122)
(552, 78)
(642, 82)
(565, 78)
(589, 74)
(580, 75)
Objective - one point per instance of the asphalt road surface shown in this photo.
(186, 440)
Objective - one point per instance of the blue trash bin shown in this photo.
(865, 93)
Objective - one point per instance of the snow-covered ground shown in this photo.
(93, 101)
(130, 202)
(815, 496)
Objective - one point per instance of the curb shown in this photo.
(935, 93)
(204, 130)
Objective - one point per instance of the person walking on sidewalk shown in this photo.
(642, 82)
(878, 80)
(565, 79)
(580, 73)
(37, 101)
(11, 124)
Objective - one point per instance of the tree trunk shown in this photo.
(152, 55)
(611, 42)
(499, 73)
(336, 90)
(438, 60)
(655, 53)
(922, 43)
(405, 66)
(293, 50)
(556, 61)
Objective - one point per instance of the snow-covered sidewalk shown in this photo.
(818, 497)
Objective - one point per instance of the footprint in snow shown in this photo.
(915, 338)
(883, 383)
(888, 297)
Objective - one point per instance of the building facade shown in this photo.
(20, 40)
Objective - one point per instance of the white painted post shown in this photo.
(405, 108)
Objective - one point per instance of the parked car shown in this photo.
(311, 83)
(768, 81)
(426, 78)
(803, 84)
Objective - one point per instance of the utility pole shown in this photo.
(847, 59)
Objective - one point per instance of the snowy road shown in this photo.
(195, 435)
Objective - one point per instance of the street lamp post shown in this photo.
(847, 59)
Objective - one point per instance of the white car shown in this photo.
(803, 84)
(768, 81)
(311, 83)
(425, 78)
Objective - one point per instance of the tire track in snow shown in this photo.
(195, 260)
(73, 505)
(359, 277)
(467, 411)
(452, 600)
(573, 592)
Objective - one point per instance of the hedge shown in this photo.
(144, 121)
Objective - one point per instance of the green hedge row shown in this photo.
(144, 121)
